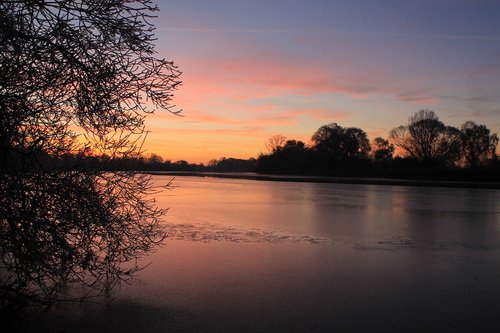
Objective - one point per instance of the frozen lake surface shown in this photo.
(259, 256)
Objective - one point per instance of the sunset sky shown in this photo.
(253, 69)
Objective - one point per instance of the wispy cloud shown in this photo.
(422, 96)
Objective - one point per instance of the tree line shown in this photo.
(86, 160)
(423, 148)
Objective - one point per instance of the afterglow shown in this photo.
(253, 69)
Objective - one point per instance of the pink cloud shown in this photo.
(242, 79)
(264, 116)
(257, 78)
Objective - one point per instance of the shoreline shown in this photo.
(327, 179)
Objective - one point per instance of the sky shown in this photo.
(254, 69)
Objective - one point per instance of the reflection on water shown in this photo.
(258, 256)
(341, 212)
(212, 232)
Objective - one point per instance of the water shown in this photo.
(257, 256)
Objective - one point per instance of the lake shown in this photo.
(261, 256)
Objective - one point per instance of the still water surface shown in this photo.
(257, 256)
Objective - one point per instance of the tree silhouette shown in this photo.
(293, 145)
(231, 165)
(334, 142)
(382, 150)
(427, 139)
(275, 142)
(478, 145)
(292, 157)
(75, 77)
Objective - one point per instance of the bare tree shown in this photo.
(427, 139)
(478, 145)
(75, 76)
(275, 143)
